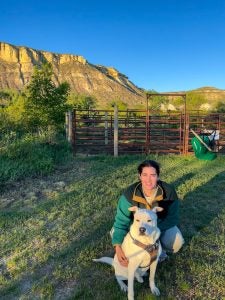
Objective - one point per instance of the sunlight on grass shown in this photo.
(47, 243)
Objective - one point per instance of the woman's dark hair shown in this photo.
(149, 163)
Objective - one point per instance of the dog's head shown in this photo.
(145, 221)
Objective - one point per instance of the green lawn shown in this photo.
(51, 227)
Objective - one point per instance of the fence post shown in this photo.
(69, 127)
(147, 134)
(106, 128)
(115, 131)
(187, 133)
(66, 124)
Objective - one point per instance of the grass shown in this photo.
(31, 155)
(53, 224)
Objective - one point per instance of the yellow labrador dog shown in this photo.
(142, 248)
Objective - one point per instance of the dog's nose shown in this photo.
(142, 229)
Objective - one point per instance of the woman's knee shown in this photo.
(172, 239)
(178, 243)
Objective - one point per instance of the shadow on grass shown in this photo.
(180, 277)
(75, 248)
(198, 208)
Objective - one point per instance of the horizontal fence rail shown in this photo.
(139, 131)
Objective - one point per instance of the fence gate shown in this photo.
(165, 133)
(93, 132)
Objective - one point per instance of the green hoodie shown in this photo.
(166, 197)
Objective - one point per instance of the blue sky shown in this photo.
(165, 45)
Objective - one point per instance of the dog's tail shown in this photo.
(104, 259)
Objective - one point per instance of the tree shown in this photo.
(81, 102)
(155, 102)
(11, 115)
(45, 103)
(7, 97)
(16, 110)
(195, 100)
(220, 107)
(119, 103)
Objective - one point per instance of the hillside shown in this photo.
(212, 94)
(104, 83)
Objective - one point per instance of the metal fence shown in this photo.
(139, 131)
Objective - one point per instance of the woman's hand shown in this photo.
(121, 256)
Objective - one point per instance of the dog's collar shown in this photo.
(152, 249)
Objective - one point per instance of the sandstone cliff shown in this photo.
(106, 84)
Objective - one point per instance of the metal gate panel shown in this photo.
(165, 133)
(141, 131)
(202, 123)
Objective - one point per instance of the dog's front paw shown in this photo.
(130, 296)
(140, 279)
(123, 287)
(155, 291)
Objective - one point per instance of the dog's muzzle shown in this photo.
(142, 230)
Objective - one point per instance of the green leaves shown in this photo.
(220, 107)
(195, 100)
(81, 101)
(45, 103)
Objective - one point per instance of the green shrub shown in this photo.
(32, 155)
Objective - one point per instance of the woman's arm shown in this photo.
(123, 220)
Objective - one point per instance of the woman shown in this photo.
(150, 191)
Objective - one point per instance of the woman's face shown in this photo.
(148, 178)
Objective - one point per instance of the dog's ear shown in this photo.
(133, 208)
(157, 209)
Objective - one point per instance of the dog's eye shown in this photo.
(137, 220)
(149, 220)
